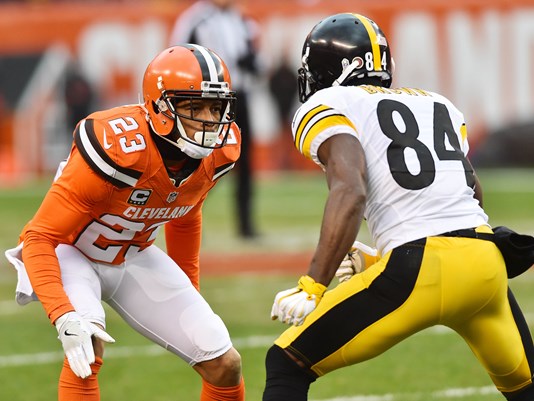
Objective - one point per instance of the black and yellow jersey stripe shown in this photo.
(313, 123)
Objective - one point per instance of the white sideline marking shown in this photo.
(9, 307)
(239, 343)
(42, 358)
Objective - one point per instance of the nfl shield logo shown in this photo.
(172, 197)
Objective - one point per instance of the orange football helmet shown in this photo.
(188, 72)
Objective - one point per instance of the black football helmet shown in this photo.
(344, 49)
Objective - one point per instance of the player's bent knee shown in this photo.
(224, 370)
(230, 362)
(285, 379)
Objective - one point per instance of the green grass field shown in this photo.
(434, 364)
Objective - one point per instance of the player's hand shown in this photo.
(293, 305)
(350, 265)
(357, 260)
(75, 335)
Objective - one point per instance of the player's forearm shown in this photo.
(183, 246)
(44, 273)
(341, 222)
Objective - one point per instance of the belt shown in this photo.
(468, 233)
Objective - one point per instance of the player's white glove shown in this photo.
(75, 335)
(293, 305)
(357, 259)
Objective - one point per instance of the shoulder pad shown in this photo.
(226, 156)
(99, 147)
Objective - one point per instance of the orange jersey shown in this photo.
(112, 197)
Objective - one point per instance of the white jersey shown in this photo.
(415, 142)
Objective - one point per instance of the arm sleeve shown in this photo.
(64, 209)
(183, 240)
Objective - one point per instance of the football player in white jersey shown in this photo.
(398, 158)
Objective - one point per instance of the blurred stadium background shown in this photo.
(479, 53)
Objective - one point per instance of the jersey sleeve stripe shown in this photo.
(305, 119)
(222, 170)
(317, 126)
(99, 161)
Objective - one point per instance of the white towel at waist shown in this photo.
(24, 292)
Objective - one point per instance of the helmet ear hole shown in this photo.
(155, 107)
(162, 106)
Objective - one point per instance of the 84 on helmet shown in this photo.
(344, 49)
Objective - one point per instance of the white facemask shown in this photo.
(207, 138)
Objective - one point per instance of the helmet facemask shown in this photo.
(307, 84)
(183, 107)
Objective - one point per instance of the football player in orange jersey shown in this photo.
(131, 170)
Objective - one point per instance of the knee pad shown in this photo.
(285, 379)
(211, 336)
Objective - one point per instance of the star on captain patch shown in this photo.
(172, 197)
